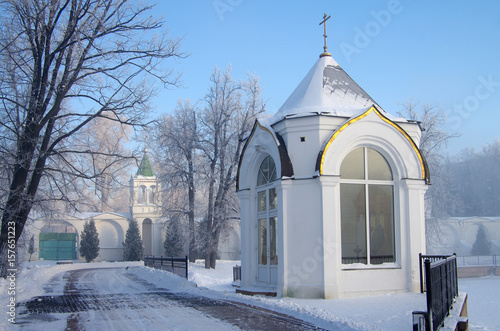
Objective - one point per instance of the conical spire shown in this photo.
(328, 90)
(145, 168)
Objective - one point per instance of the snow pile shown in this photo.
(36, 278)
(218, 279)
(386, 312)
(389, 312)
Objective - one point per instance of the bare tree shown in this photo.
(491, 194)
(433, 141)
(111, 170)
(225, 121)
(63, 64)
(476, 174)
(178, 142)
(440, 196)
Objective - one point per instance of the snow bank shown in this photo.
(386, 312)
(36, 278)
(390, 312)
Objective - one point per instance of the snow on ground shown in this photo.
(483, 301)
(35, 276)
(387, 312)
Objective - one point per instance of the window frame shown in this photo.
(267, 214)
(366, 182)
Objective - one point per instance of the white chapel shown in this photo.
(331, 191)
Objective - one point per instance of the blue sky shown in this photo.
(444, 53)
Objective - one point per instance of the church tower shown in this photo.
(144, 205)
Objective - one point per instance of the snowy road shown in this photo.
(117, 299)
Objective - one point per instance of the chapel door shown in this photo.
(267, 220)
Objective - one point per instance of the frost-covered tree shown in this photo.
(108, 188)
(476, 174)
(231, 109)
(132, 247)
(64, 64)
(199, 148)
(178, 140)
(439, 197)
(482, 245)
(174, 240)
(89, 241)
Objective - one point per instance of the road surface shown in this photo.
(117, 299)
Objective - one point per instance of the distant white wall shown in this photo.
(458, 234)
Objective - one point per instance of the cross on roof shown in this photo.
(325, 18)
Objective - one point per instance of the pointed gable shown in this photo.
(145, 168)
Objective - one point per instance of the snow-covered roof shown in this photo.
(87, 215)
(327, 90)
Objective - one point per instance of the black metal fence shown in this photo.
(237, 273)
(176, 265)
(431, 258)
(441, 285)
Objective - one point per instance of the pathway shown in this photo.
(116, 299)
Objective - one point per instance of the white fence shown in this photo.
(467, 261)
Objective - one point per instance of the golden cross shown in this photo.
(325, 18)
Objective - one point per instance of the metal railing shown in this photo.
(481, 260)
(442, 288)
(237, 273)
(431, 258)
(176, 265)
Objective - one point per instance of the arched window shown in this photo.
(367, 208)
(141, 194)
(267, 171)
(152, 195)
(267, 213)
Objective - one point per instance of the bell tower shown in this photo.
(144, 205)
(144, 189)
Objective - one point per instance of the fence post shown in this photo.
(448, 288)
(421, 273)
(430, 315)
(187, 264)
(455, 276)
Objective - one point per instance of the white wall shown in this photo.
(309, 231)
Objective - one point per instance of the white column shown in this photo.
(330, 201)
(158, 240)
(415, 225)
(248, 267)
(282, 189)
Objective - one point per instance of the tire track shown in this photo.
(115, 299)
